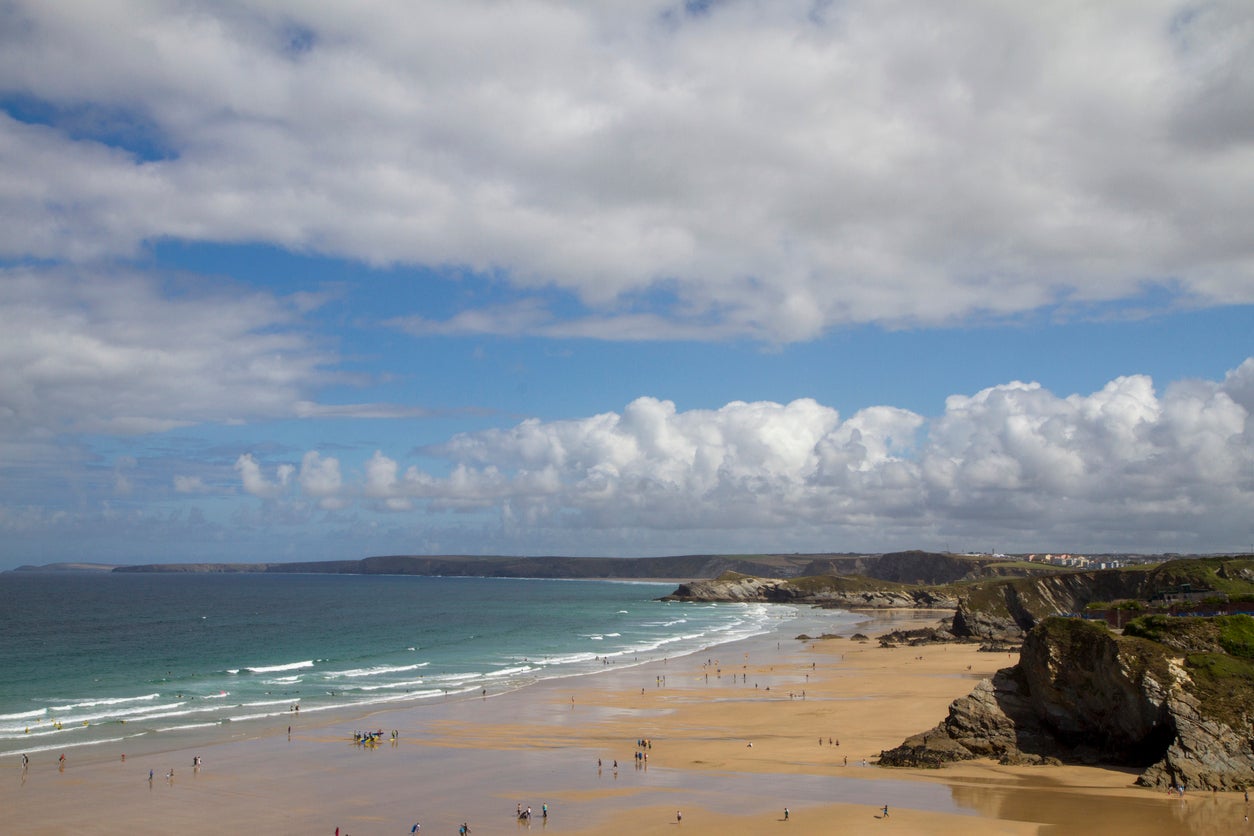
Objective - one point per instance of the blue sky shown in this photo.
(281, 282)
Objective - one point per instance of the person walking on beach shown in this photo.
(679, 817)
(885, 811)
(785, 814)
(26, 763)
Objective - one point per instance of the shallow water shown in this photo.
(89, 659)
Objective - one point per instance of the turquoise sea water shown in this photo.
(90, 659)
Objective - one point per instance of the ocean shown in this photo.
(90, 659)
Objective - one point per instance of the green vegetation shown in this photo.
(1218, 655)
(846, 583)
(1236, 635)
(1232, 634)
(1131, 588)
(1229, 575)
(1027, 566)
(1224, 685)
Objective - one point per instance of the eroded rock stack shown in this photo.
(1081, 693)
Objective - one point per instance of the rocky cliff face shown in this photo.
(1006, 609)
(916, 567)
(827, 592)
(1082, 693)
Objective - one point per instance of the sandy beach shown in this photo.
(735, 735)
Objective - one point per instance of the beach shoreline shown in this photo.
(737, 733)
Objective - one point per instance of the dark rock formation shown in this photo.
(918, 637)
(844, 593)
(1081, 693)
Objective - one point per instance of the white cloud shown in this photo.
(98, 351)
(320, 478)
(1015, 463)
(256, 483)
(771, 169)
(190, 484)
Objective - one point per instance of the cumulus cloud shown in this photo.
(770, 169)
(1126, 464)
(320, 478)
(256, 483)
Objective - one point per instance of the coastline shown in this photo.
(473, 758)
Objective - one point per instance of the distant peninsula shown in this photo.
(914, 567)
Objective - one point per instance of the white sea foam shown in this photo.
(268, 702)
(109, 701)
(165, 714)
(24, 715)
(31, 750)
(508, 672)
(456, 677)
(407, 683)
(128, 714)
(284, 680)
(188, 726)
(293, 666)
(377, 670)
(242, 717)
(570, 658)
(8, 734)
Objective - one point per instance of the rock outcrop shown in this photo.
(1004, 610)
(834, 592)
(1081, 693)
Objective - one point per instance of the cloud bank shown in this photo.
(699, 170)
(117, 353)
(1013, 466)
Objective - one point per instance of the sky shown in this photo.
(308, 281)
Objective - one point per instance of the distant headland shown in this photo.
(915, 566)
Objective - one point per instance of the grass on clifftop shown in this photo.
(846, 583)
(1231, 576)
(1219, 656)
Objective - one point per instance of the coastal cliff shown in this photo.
(822, 591)
(1004, 610)
(1172, 697)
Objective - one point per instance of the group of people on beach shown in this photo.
(371, 738)
(525, 815)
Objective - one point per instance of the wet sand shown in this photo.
(474, 759)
